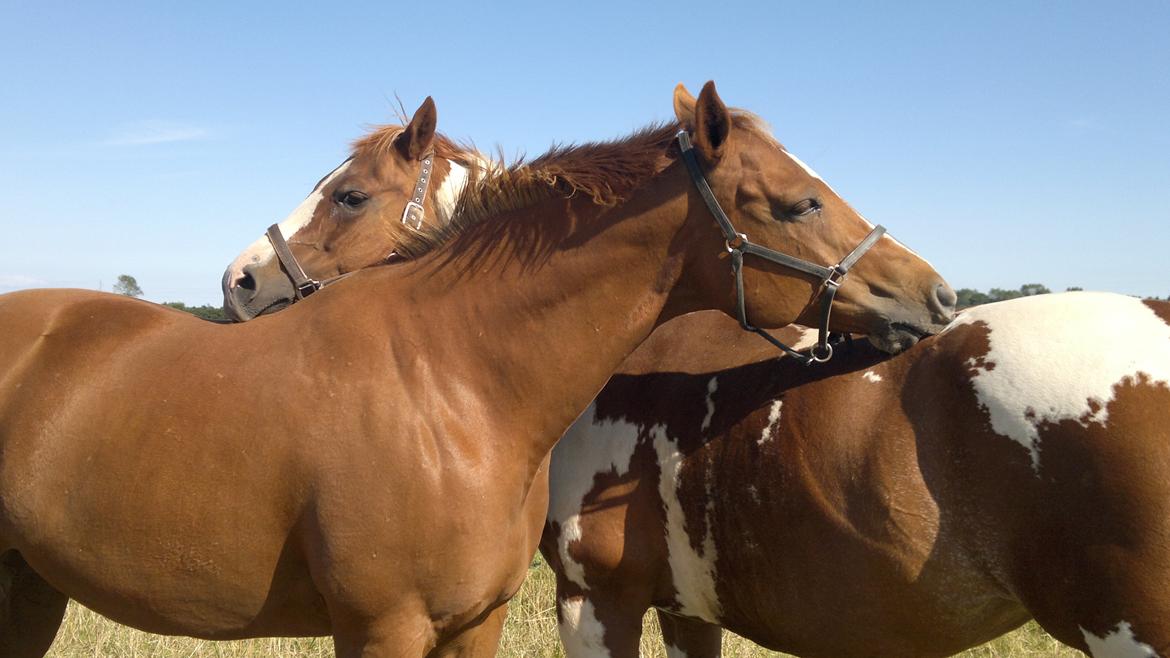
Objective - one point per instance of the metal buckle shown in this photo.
(836, 278)
(413, 213)
(307, 288)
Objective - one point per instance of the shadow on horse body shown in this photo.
(345, 466)
(1013, 467)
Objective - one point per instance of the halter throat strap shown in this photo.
(412, 216)
(737, 245)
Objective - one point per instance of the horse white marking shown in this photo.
(589, 447)
(261, 251)
(871, 376)
(581, 632)
(673, 651)
(448, 193)
(711, 388)
(773, 417)
(1055, 355)
(1120, 643)
(693, 571)
(809, 170)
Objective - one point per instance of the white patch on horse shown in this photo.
(773, 417)
(871, 376)
(711, 388)
(261, 251)
(693, 572)
(581, 632)
(808, 338)
(448, 192)
(673, 651)
(1119, 643)
(1060, 356)
(589, 447)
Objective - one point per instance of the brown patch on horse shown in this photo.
(1160, 309)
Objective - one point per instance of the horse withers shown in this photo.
(343, 467)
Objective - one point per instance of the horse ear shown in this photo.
(712, 122)
(684, 106)
(419, 134)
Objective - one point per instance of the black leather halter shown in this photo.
(412, 217)
(738, 244)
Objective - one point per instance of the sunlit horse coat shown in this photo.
(1016, 466)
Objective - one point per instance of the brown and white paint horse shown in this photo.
(1016, 466)
(360, 464)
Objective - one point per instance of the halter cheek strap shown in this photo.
(302, 284)
(738, 244)
(412, 216)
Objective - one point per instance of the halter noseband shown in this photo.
(412, 217)
(738, 244)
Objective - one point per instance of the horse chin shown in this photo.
(896, 338)
(278, 305)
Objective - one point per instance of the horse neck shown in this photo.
(534, 312)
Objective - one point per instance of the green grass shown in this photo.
(531, 632)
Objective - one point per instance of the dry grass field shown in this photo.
(531, 632)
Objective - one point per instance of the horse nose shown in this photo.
(944, 301)
(239, 289)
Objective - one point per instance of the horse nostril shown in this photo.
(246, 282)
(946, 298)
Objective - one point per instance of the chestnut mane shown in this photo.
(603, 172)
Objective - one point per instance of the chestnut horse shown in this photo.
(1013, 467)
(332, 244)
(360, 465)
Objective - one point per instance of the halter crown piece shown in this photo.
(412, 217)
(738, 244)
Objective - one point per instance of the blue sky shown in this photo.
(1008, 142)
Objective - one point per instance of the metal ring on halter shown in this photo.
(820, 358)
(743, 239)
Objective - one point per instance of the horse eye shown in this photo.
(352, 199)
(806, 207)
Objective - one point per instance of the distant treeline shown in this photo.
(967, 297)
(972, 297)
(207, 311)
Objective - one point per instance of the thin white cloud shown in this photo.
(143, 133)
(20, 281)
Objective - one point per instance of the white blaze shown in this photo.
(809, 170)
(1057, 354)
(261, 251)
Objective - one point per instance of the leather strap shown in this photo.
(302, 284)
(738, 245)
(413, 214)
